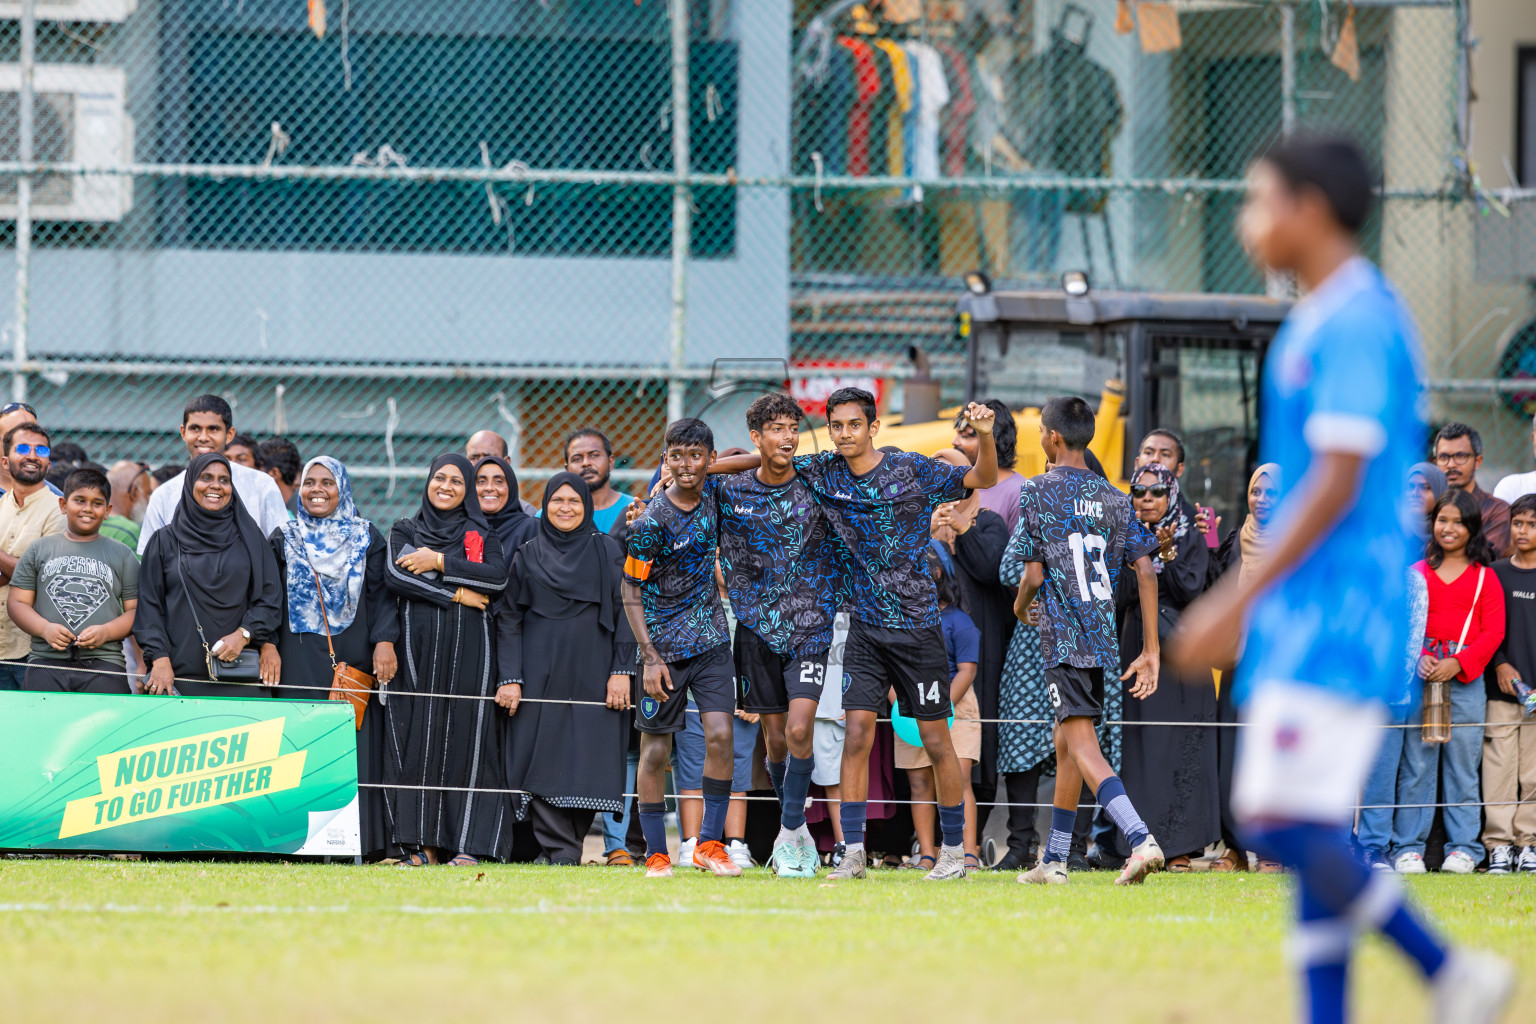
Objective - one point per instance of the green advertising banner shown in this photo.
(136, 773)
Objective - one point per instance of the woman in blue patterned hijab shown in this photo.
(326, 558)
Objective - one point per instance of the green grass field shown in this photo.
(98, 940)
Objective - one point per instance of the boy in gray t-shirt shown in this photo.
(75, 594)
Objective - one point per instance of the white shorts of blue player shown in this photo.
(1303, 759)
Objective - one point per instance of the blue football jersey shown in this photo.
(780, 559)
(671, 557)
(1343, 375)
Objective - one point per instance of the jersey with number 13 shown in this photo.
(1085, 532)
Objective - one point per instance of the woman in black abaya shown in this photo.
(211, 567)
(1170, 771)
(446, 566)
(496, 486)
(332, 563)
(562, 635)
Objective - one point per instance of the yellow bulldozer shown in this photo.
(1184, 362)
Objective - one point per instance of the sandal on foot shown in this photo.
(620, 858)
(414, 859)
(1230, 860)
(1178, 865)
(918, 865)
(972, 862)
(1270, 867)
(463, 860)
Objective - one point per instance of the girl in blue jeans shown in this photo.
(1464, 628)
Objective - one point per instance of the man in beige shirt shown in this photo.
(28, 510)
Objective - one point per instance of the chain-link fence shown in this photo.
(379, 225)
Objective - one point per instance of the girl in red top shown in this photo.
(1464, 629)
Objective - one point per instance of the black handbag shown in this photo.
(246, 668)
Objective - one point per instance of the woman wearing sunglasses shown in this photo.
(1170, 771)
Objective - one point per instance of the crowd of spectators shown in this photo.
(249, 571)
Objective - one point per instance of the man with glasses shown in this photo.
(13, 415)
(1459, 454)
(28, 510)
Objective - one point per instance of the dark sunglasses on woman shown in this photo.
(1157, 490)
(10, 407)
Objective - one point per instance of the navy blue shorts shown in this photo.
(707, 679)
(767, 680)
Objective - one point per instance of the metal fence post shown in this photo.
(24, 153)
(1287, 69)
(682, 209)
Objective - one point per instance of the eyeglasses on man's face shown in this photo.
(1454, 458)
(42, 451)
(1142, 490)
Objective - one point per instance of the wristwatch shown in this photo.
(245, 633)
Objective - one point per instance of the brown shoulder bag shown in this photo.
(347, 683)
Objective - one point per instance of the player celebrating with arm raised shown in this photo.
(880, 505)
(674, 608)
(1075, 533)
(1328, 609)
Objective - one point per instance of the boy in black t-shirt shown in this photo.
(1509, 748)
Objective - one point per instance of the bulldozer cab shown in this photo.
(1188, 363)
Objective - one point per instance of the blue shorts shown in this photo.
(688, 753)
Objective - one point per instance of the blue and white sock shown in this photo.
(1335, 880)
(853, 814)
(717, 799)
(776, 772)
(952, 824)
(1117, 805)
(797, 786)
(1059, 846)
(653, 822)
(1320, 945)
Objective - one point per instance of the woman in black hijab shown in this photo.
(210, 567)
(445, 566)
(561, 635)
(496, 487)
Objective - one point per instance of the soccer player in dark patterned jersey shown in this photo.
(783, 574)
(1075, 534)
(879, 505)
(674, 608)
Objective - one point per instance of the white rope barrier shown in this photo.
(386, 693)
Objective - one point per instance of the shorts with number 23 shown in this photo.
(910, 661)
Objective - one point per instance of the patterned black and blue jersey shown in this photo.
(882, 520)
(1085, 532)
(783, 570)
(672, 559)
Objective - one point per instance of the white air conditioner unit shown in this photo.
(73, 10)
(79, 117)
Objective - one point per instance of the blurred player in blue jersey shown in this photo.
(1327, 614)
